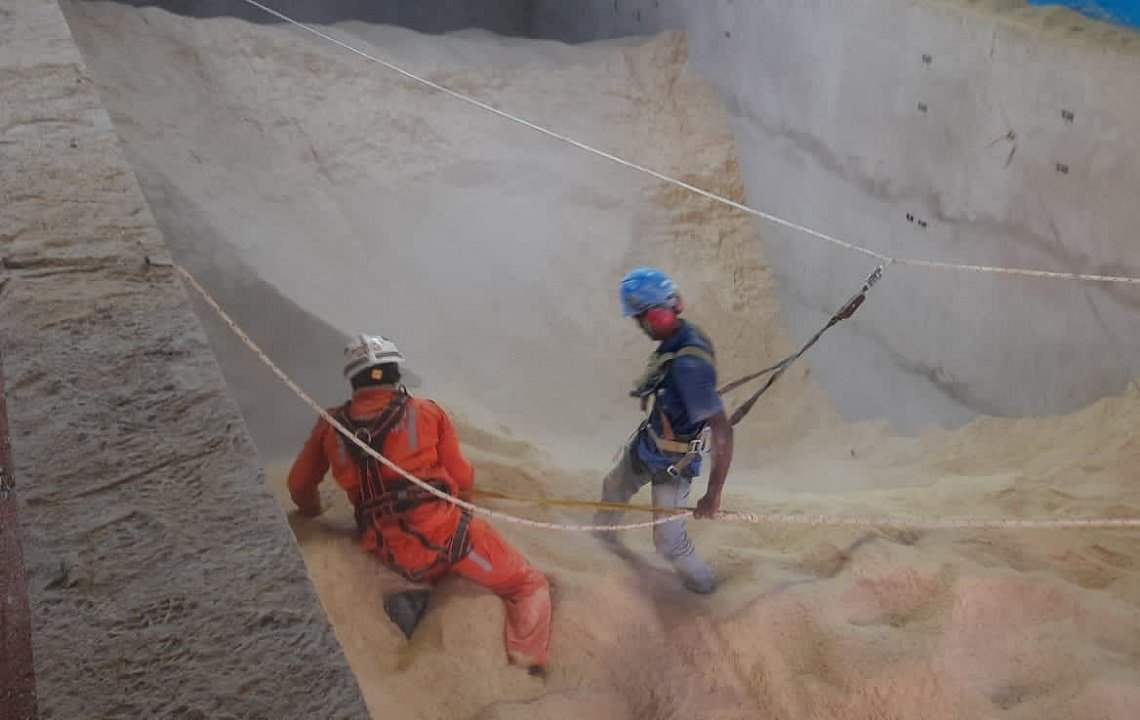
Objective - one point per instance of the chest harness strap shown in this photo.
(690, 447)
(380, 500)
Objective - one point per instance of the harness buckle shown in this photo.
(701, 445)
(698, 447)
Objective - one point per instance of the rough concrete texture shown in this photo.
(17, 668)
(164, 581)
(975, 132)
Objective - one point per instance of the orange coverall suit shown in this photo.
(424, 443)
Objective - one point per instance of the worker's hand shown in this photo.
(707, 506)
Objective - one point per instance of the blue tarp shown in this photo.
(1121, 12)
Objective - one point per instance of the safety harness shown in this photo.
(687, 447)
(386, 501)
(690, 448)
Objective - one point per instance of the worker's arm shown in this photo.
(308, 471)
(696, 382)
(722, 439)
(451, 457)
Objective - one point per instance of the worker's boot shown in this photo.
(406, 609)
(695, 575)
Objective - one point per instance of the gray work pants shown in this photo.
(671, 538)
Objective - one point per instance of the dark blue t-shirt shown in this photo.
(688, 396)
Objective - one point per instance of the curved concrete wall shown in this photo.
(932, 132)
(975, 131)
(1002, 135)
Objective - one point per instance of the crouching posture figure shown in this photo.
(413, 532)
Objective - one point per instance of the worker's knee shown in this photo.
(525, 584)
(536, 582)
(612, 486)
(527, 576)
(499, 567)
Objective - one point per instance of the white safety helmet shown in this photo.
(366, 351)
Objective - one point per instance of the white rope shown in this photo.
(925, 264)
(380, 458)
(740, 517)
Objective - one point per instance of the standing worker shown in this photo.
(413, 532)
(666, 450)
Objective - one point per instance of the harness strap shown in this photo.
(460, 545)
(649, 385)
(664, 444)
(694, 351)
(379, 500)
(689, 451)
(372, 432)
(666, 426)
(778, 369)
(689, 448)
(658, 366)
(397, 501)
(457, 547)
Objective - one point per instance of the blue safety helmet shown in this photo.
(644, 288)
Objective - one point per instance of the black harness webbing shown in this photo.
(378, 500)
(372, 432)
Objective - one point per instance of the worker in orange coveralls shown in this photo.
(413, 532)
